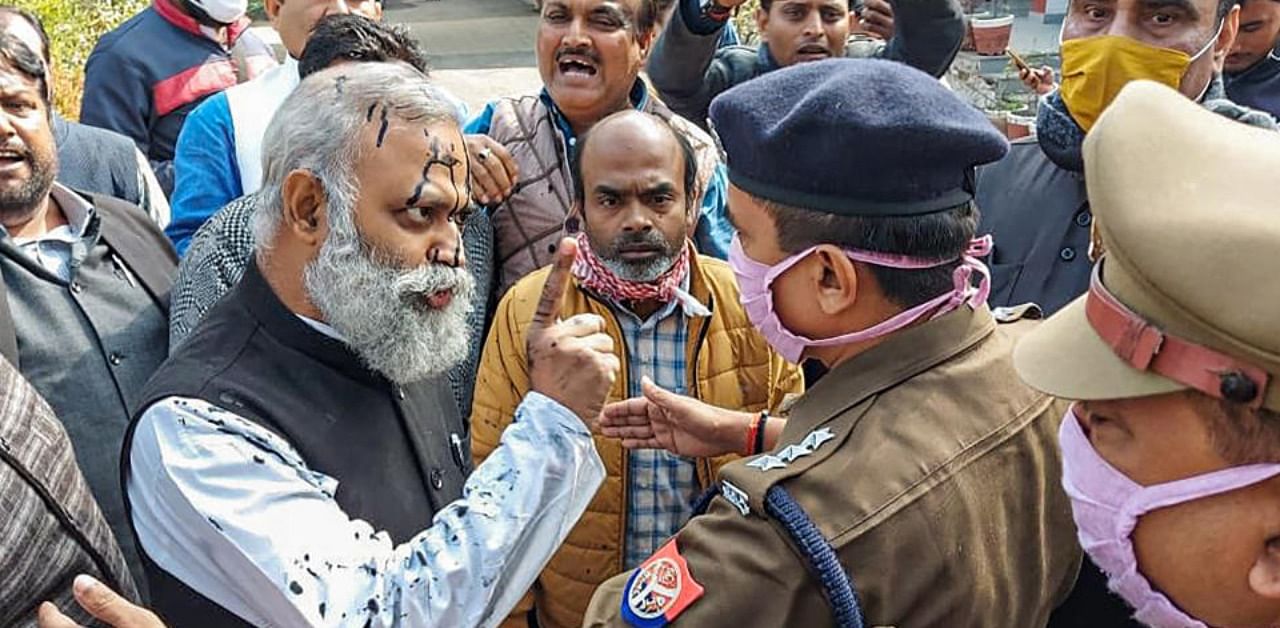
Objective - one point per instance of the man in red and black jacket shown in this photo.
(145, 76)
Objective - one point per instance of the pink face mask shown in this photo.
(1107, 504)
(755, 281)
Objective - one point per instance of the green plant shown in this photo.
(257, 10)
(74, 28)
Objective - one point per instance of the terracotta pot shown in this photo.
(991, 36)
(1019, 125)
(967, 43)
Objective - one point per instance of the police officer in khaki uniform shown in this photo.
(1171, 458)
(917, 483)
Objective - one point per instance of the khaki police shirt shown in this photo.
(940, 493)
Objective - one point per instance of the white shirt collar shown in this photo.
(75, 209)
(322, 327)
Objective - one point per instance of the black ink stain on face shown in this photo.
(440, 154)
(216, 525)
(368, 116)
(382, 127)
(295, 587)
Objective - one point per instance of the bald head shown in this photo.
(635, 184)
(629, 137)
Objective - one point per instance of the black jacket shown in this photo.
(399, 453)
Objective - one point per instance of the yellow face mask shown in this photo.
(1095, 69)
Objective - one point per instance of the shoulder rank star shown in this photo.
(791, 452)
(767, 462)
(816, 438)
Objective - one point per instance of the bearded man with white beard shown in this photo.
(300, 460)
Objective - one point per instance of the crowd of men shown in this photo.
(699, 333)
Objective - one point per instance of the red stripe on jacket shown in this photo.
(175, 16)
(191, 85)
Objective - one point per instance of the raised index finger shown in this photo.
(553, 291)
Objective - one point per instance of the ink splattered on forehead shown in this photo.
(439, 153)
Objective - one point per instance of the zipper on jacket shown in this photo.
(703, 464)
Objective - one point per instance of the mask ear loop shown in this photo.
(1212, 40)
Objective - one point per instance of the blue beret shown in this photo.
(857, 137)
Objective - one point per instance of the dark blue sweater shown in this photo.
(1259, 86)
(145, 76)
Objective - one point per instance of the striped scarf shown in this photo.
(593, 275)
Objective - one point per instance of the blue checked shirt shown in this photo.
(661, 486)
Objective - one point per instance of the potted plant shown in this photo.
(1020, 123)
(991, 32)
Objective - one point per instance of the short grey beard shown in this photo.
(378, 307)
(641, 272)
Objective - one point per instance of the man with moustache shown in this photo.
(677, 323)
(590, 53)
(300, 459)
(84, 287)
(223, 246)
(690, 69)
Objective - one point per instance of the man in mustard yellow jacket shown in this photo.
(675, 320)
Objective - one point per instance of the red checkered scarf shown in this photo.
(593, 275)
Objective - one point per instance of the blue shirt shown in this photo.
(713, 233)
(207, 175)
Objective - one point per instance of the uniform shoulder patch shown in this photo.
(660, 589)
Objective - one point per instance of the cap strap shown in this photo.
(1147, 348)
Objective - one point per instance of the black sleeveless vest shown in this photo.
(399, 453)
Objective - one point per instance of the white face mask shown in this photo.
(223, 11)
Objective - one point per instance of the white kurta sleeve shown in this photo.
(232, 511)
